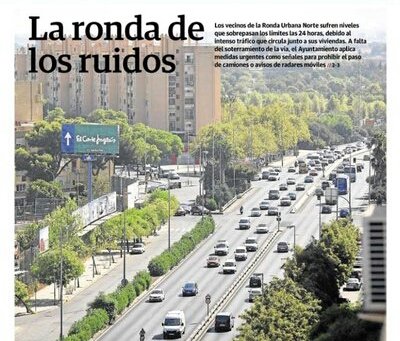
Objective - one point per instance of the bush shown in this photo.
(108, 303)
(160, 264)
(84, 329)
(211, 204)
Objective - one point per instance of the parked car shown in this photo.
(283, 187)
(229, 266)
(285, 201)
(291, 181)
(224, 321)
(264, 205)
(251, 244)
(353, 284)
(213, 261)
(255, 212)
(173, 176)
(282, 247)
(244, 223)
(180, 211)
(240, 253)
(198, 209)
(273, 210)
(300, 187)
(326, 209)
(137, 248)
(253, 293)
(190, 289)
(156, 295)
(292, 195)
(262, 228)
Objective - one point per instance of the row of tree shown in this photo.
(305, 304)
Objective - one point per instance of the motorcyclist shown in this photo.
(241, 209)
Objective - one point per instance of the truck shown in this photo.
(331, 195)
(342, 183)
(174, 324)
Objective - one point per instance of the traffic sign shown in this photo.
(96, 139)
(208, 299)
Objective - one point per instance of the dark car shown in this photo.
(273, 210)
(344, 213)
(308, 179)
(197, 209)
(282, 247)
(283, 187)
(265, 175)
(332, 175)
(180, 211)
(224, 321)
(325, 184)
(190, 289)
(300, 187)
(326, 209)
(292, 195)
(255, 280)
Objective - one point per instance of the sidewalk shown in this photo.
(44, 324)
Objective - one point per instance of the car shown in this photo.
(282, 247)
(240, 253)
(318, 167)
(318, 192)
(292, 195)
(325, 185)
(300, 187)
(198, 209)
(324, 163)
(156, 295)
(308, 179)
(262, 228)
(174, 324)
(244, 223)
(224, 321)
(313, 172)
(229, 266)
(256, 280)
(264, 205)
(291, 170)
(277, 169)
(273, 194)
(291, 181)
(190, 289)
(311, 163)
(332, 175)
(273, 210)
(257, 177)
(173, 176)
(251, 244)
(360, 166)
(187, 207)
(340, 169)
(283, 187)
(255, 212)
(326, 209)
(265, 175)
(358, 262)
(253, 293)
(273, 176)
(285, 201)
(344, 213)
(353, 284)
(180, 211)
(221, 248)
(213, 261)
(137, 248)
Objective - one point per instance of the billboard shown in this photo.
(44, 239)
(96, 139)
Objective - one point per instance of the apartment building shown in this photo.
(180, 102)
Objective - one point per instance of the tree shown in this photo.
(22, 295)
(44, 189)
(286, 311)
(46, 267)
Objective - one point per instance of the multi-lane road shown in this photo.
(149, 316)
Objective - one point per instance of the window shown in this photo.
(20, 187)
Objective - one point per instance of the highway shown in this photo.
(149, 316)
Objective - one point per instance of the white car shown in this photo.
(353, 284)
(251, 244)
(262, 228)
(221, 249)
(264, 205)
(157, 295)
(244, 223)
(137, 248)
(253, 293)
(291, 181)
(229, 266)
(274, 176)
(240, 253)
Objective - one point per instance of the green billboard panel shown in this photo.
(94, 139)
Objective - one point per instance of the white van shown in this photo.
(174, 324)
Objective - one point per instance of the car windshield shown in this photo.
(222, 319)
(189, 286)
(240, 250)
(172, 322)
(254, 209)
(229, 264)
(157, 292)
(137, 245)
(220, 245)
(244, 221)
(264, 202)
(250, 241)
(282, 244)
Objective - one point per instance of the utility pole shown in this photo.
(350, 181)
(213, 165)
(61, 284)
(369, 177)
(124, 281)
(169, 215)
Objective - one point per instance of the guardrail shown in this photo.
(233, 289)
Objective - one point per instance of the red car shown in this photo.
(213, 261)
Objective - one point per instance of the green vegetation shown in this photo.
(378, 162)
(105, 308)
(21, 294)
(305, 305)
(162, 263)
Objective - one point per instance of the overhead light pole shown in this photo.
(169, 215)
(61, 284)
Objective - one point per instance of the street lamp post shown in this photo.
(320, 211)
(169, 215)
(124, 281)
(61, 284)
(278, 219)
